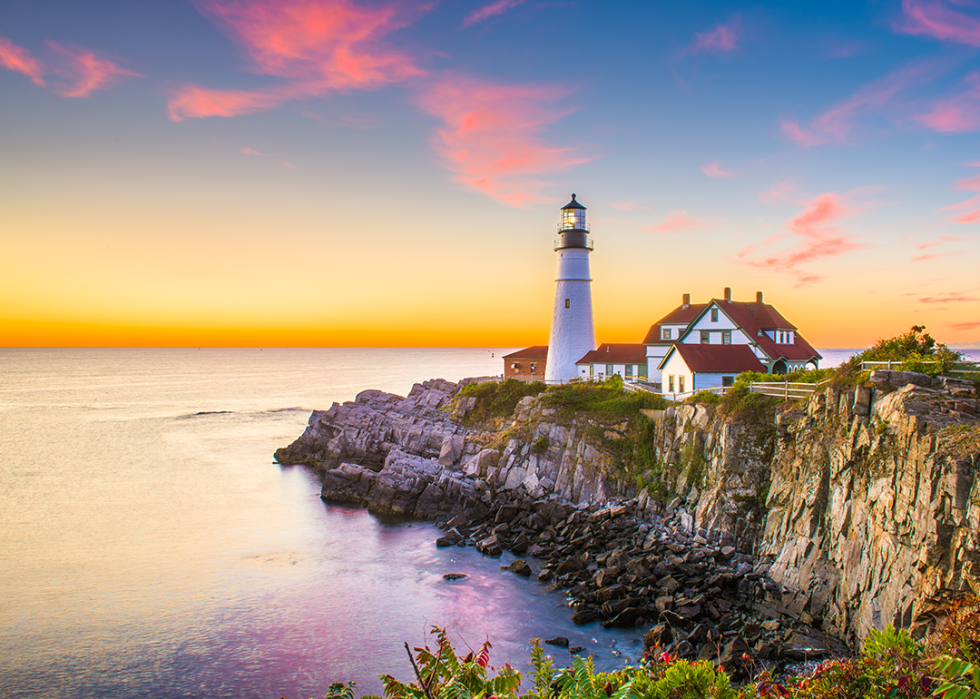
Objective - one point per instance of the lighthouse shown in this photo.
(572, 335)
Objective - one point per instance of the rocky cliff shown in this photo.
(863, 505)
(852, 509)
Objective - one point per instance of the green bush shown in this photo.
(880, 644)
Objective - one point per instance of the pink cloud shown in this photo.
(818, 239)
(836, 124)
(85, 71)
(721, 39)
(252, 151)
(938, 20)
(14, 57)
(629, 206)
(930, 256)
(935, 243)
(317, 46)
(970, 184)
(968, 217)
(491, 136)
(958, 113)
(948, 298)
(969, 325)
(494, 8)
(714, 170)
(779, 193)
(198, 102)
(679, 221)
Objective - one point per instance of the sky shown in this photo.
(348, 173)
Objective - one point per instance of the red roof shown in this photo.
(609, 353)
(681, 314)
(717, 359)
(754, 318)
(536, 352)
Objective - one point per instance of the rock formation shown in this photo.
(850, 510)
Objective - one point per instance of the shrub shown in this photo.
(880, 644)
(442, 675)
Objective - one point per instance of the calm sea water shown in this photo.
(150, 546)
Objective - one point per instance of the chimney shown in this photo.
(686, 299)
(728, 293)
(758, 297)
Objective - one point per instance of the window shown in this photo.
(680, 384)
(609, 369)
(705, 337)
(516, 367)
(568, 303)
(533, 367)
(670, 383)
(714, 315)
(727, 381)
(726, 337)
(629, 369)
(665, 333)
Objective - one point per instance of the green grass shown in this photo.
(498, 398)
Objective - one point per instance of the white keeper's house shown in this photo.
(699, 346)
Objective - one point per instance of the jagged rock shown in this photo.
(559, 641)
(519, 567)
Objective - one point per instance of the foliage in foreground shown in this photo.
(891, 665)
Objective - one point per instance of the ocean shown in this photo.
(151, 546)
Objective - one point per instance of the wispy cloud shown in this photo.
(714, 170)
(494, 8)
(85, 72)
(14, 57)
(629, 206)
(959, 113)
(817, 235)
(779, 193)
(836, 124)
(721, 39)
(677, 221)
(968, 325)
(252, 151)
(948, 298)
(941, 241)
(492, 136)
(317, 47)
(77, 72)
(968, 184)
(937, 19)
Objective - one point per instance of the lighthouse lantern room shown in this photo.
(572, 333)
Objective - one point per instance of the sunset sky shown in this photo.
(341, 173)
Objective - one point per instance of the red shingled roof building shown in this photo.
(526, 364)
(627, 360)
(698, 346)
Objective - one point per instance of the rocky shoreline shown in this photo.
(740, 564)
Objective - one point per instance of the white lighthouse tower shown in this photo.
(572, 335)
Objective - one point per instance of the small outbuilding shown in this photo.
(626, 360)
(527, 364)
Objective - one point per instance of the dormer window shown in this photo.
(705, 337)
(665, 333)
